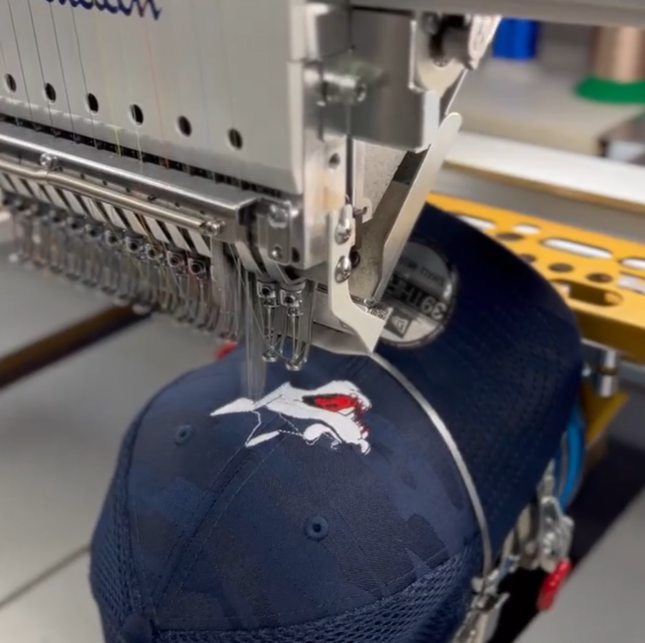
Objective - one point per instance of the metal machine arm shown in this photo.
(248, 167)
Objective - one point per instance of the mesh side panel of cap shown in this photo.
(112, 576)
(504, 374)
(428, 611)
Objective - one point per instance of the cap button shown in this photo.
(137, 629)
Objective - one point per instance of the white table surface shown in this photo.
(59, 610)
(34, 305)
(557, 169)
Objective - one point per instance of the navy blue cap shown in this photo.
(358, 499)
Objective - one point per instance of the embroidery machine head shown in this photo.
(249, 168)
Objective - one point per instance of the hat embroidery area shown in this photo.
(332, 411)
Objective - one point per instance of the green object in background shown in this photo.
(609, 91)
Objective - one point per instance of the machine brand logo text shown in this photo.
(123, 7)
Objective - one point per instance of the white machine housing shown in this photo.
(293, 141)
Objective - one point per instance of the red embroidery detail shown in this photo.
(337, 403)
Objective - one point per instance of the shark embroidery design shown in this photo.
(333, 411)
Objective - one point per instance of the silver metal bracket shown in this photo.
(365, 324)
(555, 532)
(481, 622)
(408, 203)
(482, 618)
(545, 533)
(540, 540)
(602, 368)
(49, 166)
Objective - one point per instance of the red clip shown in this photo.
(225, 350)
(552, 585)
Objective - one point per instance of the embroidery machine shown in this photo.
(254, 168)
(247, 167)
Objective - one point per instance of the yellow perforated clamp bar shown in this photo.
(602, 278)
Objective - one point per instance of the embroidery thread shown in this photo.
(333, 411)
